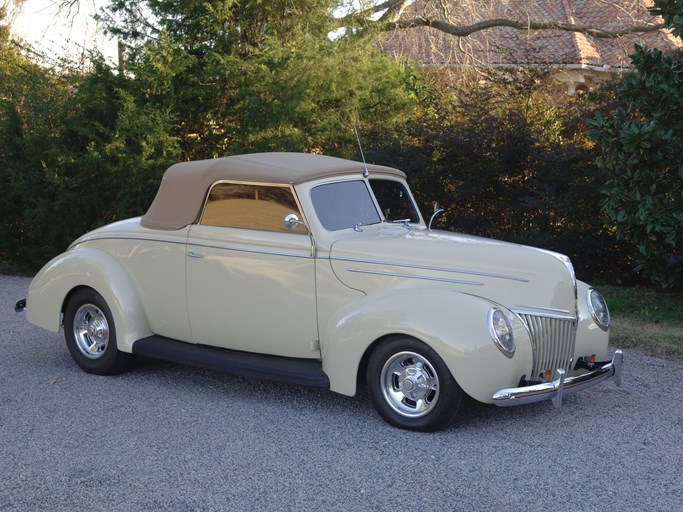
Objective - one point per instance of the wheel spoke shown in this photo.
(396, 381)
(421, 405)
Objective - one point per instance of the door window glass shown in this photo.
(260, 207)
(394, 200)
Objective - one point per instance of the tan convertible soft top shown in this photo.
(184, 186)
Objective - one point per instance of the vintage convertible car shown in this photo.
(321, 271)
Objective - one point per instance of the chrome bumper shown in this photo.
(563, 385)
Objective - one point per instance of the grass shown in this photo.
(647, 319)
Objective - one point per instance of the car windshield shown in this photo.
(394, 200)
(344, 205)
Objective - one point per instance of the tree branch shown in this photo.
(393, 10)
(389, 4)
(466, 30)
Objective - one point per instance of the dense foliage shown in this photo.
(257, 76)
(76, 152)
(511, 161)
(203, 79)
(642, 153)
(209, 78)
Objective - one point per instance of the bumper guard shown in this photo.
(562, 385)
(20, 306)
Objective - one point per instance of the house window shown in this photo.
(260, 207)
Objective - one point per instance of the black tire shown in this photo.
(90, 334)
(411, 386)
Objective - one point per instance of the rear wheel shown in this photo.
(91, 335)
(411, 386)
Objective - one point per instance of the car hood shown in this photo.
(516, 276)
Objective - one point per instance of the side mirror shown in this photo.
(292, 221)
(437, 211)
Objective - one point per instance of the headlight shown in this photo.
(598, 309)
(501, 332)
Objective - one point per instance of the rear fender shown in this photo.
(92, 268)
(453, 324)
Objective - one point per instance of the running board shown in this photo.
(306, 372)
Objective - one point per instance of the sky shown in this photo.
(56, 32)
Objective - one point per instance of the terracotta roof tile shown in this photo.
(507, 46)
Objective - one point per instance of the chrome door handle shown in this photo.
(194, 254)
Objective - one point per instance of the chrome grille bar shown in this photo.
(552, 341)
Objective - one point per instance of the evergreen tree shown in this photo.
(257, 76)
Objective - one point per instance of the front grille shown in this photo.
(552, 341)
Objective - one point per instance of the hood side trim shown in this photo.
(413, 276)
(435, 269)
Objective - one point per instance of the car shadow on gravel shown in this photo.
(473, 414)
(202, 380)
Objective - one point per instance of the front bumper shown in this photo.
(563, 385)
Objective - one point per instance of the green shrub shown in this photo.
(642, 155)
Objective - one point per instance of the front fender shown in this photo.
(454, 324)
(96, 269)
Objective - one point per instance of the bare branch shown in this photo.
(387, 5)
(466, 30)
(394, 10)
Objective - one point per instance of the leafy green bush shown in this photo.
(77, 152)
(642, 154)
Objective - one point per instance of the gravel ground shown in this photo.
(165, 437)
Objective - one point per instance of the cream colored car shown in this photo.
(321, 271)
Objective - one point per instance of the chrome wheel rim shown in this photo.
(409, 384)
(91, 331)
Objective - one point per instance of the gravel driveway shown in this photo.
(165, 437)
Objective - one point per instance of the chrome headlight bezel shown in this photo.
(502, 332)
(598, 309)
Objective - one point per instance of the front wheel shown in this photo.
(411, 386)
(91, 335)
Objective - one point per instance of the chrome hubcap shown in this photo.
(91, 331)
(409, 384)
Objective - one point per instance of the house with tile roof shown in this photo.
(575, 58)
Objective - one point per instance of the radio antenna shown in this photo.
(366, 173)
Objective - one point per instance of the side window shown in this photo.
(261, 207)
(394, 200)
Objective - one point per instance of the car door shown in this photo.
(250, 278)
